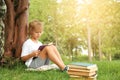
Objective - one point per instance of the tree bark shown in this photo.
(89, 43)
(2, 26)
(99, 41)
(15, 26)
(110, 57)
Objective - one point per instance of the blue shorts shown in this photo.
(38, 62)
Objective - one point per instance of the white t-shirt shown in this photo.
(28, 47)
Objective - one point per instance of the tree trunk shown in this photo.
(89, 43)
(2, 26)
(110, 57)
(15, 26)
(99, 41)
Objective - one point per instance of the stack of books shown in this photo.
(86, 71)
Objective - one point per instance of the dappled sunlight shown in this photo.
(92, 24)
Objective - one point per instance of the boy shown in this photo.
(36, 56)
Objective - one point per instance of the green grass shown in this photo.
(18, 73)
(106, 71)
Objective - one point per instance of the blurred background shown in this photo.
(80, 28)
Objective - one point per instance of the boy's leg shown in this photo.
(50, 53)
(57, 53)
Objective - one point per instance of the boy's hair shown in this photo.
(35, 26)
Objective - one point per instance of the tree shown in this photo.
(15, 26)
(2, 27)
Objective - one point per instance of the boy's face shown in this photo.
(36, 34)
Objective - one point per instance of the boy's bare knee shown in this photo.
(47, 48)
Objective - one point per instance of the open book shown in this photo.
(44, 45)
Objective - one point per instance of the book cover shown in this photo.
(44, 45)
(82, 65)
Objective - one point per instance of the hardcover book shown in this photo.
(44, 45)
(81, 65)
(74, 77)
(82, 69)
(79, 73)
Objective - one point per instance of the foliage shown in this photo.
(116, 56)
(2, 8)
(66, 24)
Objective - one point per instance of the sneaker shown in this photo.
(65, 69)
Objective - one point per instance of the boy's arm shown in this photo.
(33, 54)
(25, 58)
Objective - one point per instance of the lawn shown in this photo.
(106, 71)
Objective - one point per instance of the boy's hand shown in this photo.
(36, 53)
